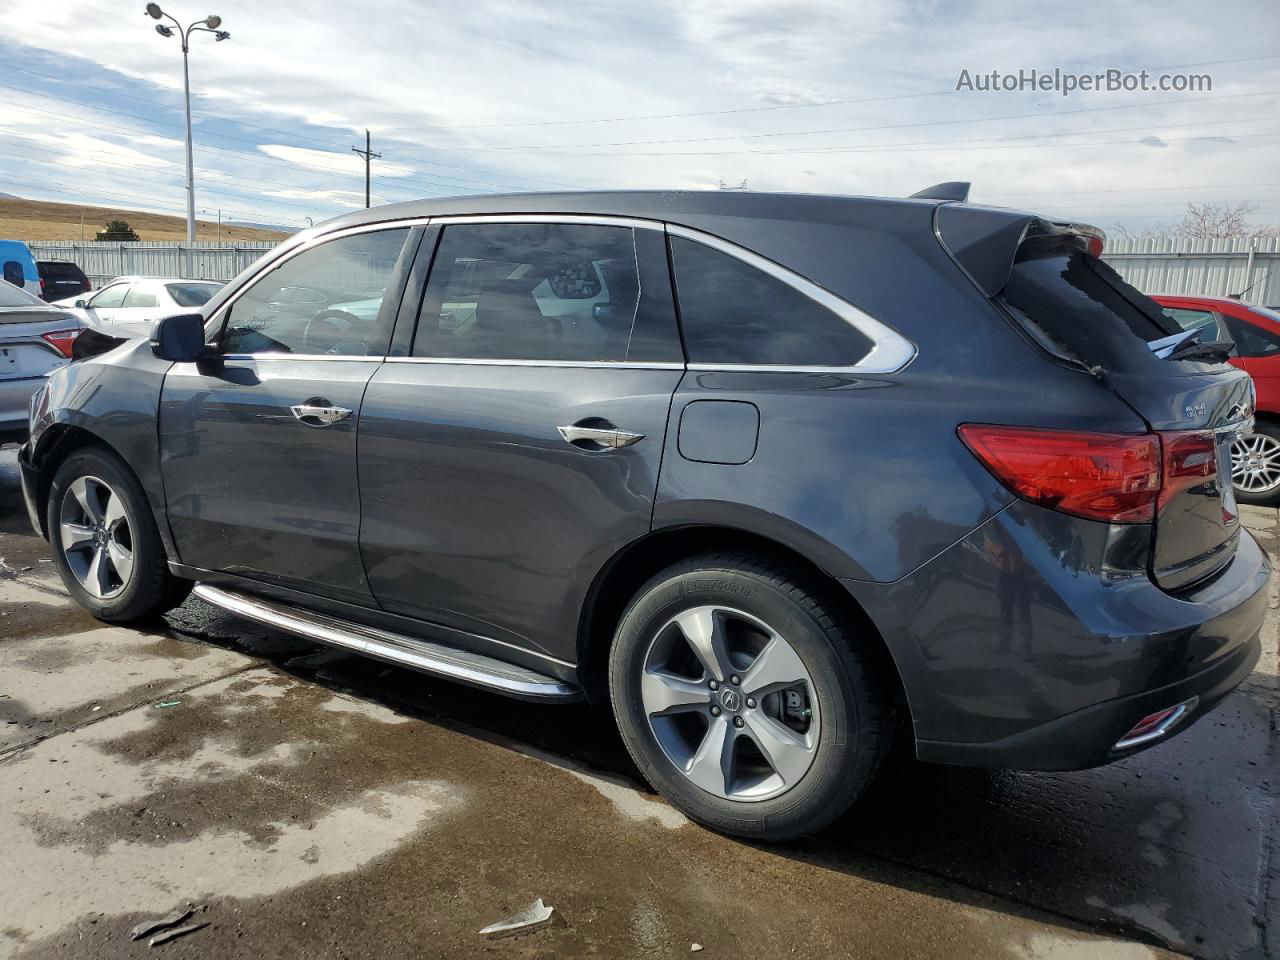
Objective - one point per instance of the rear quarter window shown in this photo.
(733, 313)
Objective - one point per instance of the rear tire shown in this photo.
(105, 542)
(1255, 463)
(746, 699)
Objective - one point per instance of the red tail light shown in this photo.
(1190, 460)
(1101, 476)
(1116, 477)
(61, 340)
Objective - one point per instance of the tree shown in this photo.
(1206, 221)
(117, 230)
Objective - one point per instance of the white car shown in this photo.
(140, 299)
(35, 339)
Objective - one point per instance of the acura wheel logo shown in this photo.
(730, 700)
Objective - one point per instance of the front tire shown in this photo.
(105, 542)
(746, 699)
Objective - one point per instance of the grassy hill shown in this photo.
(38, 220)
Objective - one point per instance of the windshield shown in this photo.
(192, 294)
(11, 296)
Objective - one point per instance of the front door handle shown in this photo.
(319, 412)
(606, 437)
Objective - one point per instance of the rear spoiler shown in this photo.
(983, 241)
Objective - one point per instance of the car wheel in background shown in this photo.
(105, 542)
(746, 699)
(1255, 465)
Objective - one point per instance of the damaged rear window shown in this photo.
(1076, 303)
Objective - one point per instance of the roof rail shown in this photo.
(951, 190)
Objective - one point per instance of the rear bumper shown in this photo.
(1029, 644)
(15, 402)
(1087, 737)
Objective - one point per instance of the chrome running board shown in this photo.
(449, 662)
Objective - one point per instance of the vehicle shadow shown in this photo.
(1161, 848)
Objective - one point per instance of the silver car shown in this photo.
(35, 339)
(140, 299)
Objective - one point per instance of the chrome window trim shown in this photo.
(587, 219)
(497, 362)
(277, 355)
(218, 317)
(890, 350)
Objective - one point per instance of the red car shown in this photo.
(1255, 468)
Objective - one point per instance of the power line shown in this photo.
(437, 180)
(216, 176)
(704, 113)
(889, 126)
(43, 186)
(250, 126)
(890, 147)
(1211, 186)
(256, 157)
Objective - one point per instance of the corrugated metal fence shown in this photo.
(203, 261)
(1212, 267)
(1218, 268)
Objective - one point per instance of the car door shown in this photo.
(103, 305)
(516, 445)
(142, 304)
(258, 443)
(1257, 339)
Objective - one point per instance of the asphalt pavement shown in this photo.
(304, 802)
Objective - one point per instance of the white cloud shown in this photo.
(334, 162)
(345, 198)
(431, 82)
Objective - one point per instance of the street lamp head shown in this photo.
(220, 35)
(213, 21)
(154, 11)
(163, 30)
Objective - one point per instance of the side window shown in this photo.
(1189, 319)
(1251, 340)
(111, 297)
(139, 296)
(530, 291)
(331, 299)
(13, 272)
(732, 312)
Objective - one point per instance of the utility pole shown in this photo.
(368, 155)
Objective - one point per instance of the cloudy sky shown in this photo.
(838, 96)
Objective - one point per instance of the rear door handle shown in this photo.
(319, 412)
(598, 438)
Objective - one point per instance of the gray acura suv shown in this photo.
(775, 478)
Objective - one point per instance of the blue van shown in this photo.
(18, 266)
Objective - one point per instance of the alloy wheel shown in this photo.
(1255, 463)
(730, 703)
(96, 538)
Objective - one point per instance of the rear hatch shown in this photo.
(1078, 308)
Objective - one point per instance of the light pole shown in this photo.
(209, 24)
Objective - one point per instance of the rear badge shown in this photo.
(1195, 410)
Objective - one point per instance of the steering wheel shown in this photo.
(323, 335)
